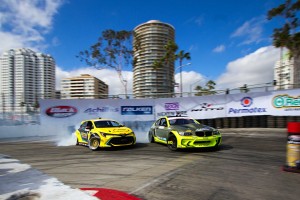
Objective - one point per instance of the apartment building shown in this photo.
(84, 86)
(25, 77)
(284, 73)
(149, 41)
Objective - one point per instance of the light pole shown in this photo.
(181, 76)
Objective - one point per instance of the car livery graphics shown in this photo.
(247, 103)
(136, 110)
(183, 132)
(98, 133)
(61, 111)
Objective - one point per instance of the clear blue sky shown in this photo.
(220, 35)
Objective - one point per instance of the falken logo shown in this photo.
(136, 110)
(286, 101)
(61, 111)
(246, 102)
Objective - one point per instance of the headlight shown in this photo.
(182, 133)
(216, 132)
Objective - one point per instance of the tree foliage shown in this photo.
(113, 49)
(288, 35)
(209, 89)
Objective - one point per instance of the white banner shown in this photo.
(71, 112)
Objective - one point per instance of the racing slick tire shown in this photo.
(151, 138)
(94, 143)
(172, 142)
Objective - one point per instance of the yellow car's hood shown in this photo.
(115, 130)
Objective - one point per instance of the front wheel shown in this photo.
(151, 138)
(94, 143)
(172, 143)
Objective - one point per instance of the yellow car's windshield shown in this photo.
(106, 123)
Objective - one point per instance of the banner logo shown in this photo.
(101, 109)
(61, 111)
(246, 101)
(136, 110)
(172, 106)
(207, 107)
(285, 101)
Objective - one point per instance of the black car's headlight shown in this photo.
(182, 133)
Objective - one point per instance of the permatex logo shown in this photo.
(246, 101)
(61, 111)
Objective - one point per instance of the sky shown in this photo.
(230, 42)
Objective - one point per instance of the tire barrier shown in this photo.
(293, 148)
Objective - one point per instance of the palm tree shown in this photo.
(288, 35)
(181, 56)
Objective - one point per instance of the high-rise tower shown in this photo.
(25, 77)
(149, 41)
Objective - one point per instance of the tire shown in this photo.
(172, 143)
(94, 143)
(150, 137)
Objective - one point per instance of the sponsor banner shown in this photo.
(72, 112)
(285, 103)
(247, 104)
(197, 107)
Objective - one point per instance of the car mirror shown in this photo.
(87, 129)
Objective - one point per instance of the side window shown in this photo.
(82, 126)
(163, 122)
(89, 125)
(157, 122)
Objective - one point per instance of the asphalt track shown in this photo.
(247, 166)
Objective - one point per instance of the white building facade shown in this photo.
(25, 77)
(150, 39)
(84, 86)
(284, 73)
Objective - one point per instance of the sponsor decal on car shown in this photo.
(61, 111)
(286, 102)
(136, 110)
(172, 106)
(246, 102)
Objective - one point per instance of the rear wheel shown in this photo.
(172, 143)
(94, 143)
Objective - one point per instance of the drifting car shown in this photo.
(183, 132)
(99, 132)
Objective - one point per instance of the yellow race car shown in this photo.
(99, 132)
(183, 132)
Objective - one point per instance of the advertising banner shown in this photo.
(203, 107)
(247, 104)
(285, 103)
